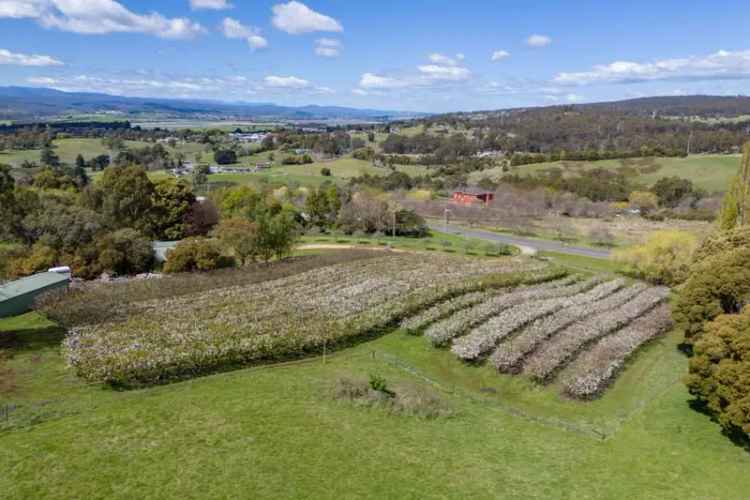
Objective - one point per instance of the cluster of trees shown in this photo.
(105, 226)
(329, 144)
(585, 131)
(713, 309)
(433, 149)
(360, 212)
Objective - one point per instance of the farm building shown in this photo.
(17, 297)
(472, 195)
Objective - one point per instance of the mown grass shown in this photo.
(276, 432)
(710, 172)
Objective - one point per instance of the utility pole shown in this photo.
(394, 223)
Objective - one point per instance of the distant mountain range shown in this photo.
(32, 103)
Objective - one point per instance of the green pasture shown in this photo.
(711, 172)
(277, 432)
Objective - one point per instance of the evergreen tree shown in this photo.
(736, 207)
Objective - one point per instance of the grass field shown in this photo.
(436, 241)
(310, 175)
(711, 172)
(277, 432)
(66, 149)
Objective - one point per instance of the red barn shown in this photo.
(472, 195)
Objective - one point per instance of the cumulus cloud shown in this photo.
(450, 73)
(232, 28)
(721, 65)
(499, 55)
(297, 18)
(327, 47)
(444, 60)
(287, 82)
(538, 41)
(12, 58)
(210, 4)
(96, 17)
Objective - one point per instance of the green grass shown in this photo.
(435, 241)
(711, 172)
(581, 263)
(309, 175)
(276, 432)
(66, 149)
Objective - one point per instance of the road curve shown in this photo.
(539, 245)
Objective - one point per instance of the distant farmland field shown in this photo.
(711, 172)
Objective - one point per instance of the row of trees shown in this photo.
(713, 306)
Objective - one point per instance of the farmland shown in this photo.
(710, 172)
(249, 429)
(281, 318)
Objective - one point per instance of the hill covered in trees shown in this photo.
(658, 126)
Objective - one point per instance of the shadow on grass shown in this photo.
(32, 339)
(736, 435)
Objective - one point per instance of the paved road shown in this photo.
(540, 245)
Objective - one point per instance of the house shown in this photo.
(472, 195)
(17, 297)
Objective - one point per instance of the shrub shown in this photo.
(601, 236)
(720, 370)
(325, 172)
(225, 157)
(378, 383)
(241, 236)
(41, 258)
(125, 252)
(663, 259)
(196, 254)
(718, 285)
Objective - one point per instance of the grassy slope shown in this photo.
(309, 175)
(711, 172)
(276, 432)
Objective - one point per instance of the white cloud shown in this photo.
(8, 57)
(210, 4)
(574, 97)
(232, 28)
(444, 60)
(41, 80)
(287, 82)
(96, 17)
(296, 18)
(721, 65)
(499, 55)
(538, 41)
(450, 73)
(361, 92)
(373, 81)
(327, 47)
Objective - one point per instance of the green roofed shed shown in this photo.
(17, 297)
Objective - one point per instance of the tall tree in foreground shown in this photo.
(736, 208)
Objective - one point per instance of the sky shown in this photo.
(410, 55)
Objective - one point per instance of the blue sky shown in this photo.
(425, 55)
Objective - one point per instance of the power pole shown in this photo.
(394, 223)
